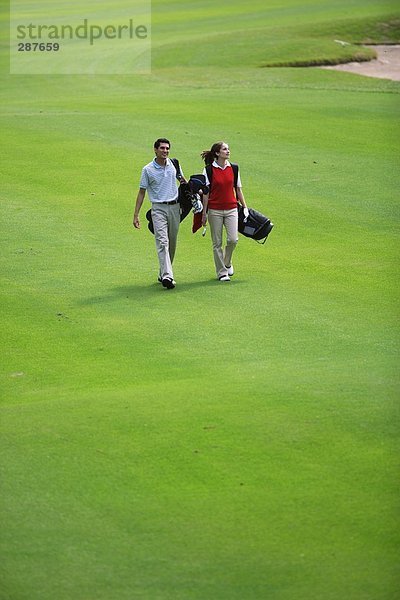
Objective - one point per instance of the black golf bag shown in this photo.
(256, 226)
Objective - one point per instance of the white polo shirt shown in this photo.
(160, 181)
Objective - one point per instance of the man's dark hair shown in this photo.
(160, 141)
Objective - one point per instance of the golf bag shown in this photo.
(256, 226)
(188, 195)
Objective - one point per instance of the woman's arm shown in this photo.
(242, 202)
(205, 205)
(240, 197)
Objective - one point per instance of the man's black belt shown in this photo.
(171, 202)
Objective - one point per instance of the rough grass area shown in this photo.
(378, 30)
(349, 53)
(347, 43)
(324, 43)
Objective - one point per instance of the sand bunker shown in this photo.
(386, 66)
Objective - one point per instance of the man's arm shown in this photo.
(138, 206)
(179, 173)
(180, 176)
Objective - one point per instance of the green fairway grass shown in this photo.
(211, 442)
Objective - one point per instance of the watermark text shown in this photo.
(84, 31)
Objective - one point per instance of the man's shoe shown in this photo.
(230, 270)
(224, 278)
(168, 283)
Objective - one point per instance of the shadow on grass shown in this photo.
(141, 292)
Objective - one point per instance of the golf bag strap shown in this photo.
(235, 169)
(209, 175)
(177, 166)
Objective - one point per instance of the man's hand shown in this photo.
(246, 213)
(139, 202)
(204, 219)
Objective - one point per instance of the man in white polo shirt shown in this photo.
(159, 179)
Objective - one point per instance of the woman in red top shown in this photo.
(221, 204)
